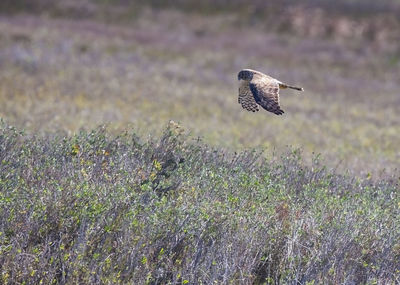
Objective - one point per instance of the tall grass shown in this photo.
(99, 209)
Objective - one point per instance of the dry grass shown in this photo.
(161, 207)
(62, 74)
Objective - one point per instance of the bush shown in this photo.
(93, 208)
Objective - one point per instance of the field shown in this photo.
(60, 74)
(98, 186)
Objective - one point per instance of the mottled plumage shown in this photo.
(257, 88)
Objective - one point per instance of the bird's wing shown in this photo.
(246, 98)
(266, 93)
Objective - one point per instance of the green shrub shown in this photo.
(93, 208)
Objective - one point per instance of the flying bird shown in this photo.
(258, 89)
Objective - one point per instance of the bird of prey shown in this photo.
(258, 89)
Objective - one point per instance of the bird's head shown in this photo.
(245, 74)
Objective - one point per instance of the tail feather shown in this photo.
(281, 85)
(295, 88)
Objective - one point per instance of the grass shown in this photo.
(59, 74)
(98, 208)
(225, 196)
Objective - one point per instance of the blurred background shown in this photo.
(72, 64)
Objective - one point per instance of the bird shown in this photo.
(258, 89)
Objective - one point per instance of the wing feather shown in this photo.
(266, 94)
(246, 98)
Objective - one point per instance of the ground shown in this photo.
(63, 73)
(181, 185)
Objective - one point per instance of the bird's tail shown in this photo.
(291, 87)
(296, 88)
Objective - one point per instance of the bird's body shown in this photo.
(258, 89)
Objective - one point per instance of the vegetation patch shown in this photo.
(98, 208)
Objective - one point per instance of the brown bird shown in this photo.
(257, 88)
